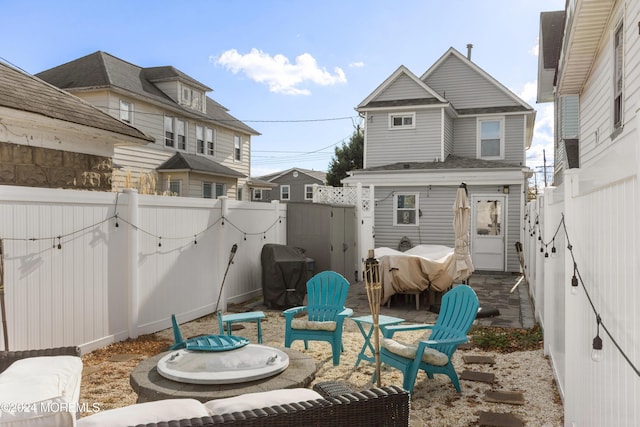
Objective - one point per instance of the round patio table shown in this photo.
(150, 385)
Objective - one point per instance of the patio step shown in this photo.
(479, 360)
(497, 419)
(509, 397)
(485, 377)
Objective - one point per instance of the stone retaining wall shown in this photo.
(43, 167)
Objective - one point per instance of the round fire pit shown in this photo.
(147, 382)
(249, 363)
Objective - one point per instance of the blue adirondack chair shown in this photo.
(326, 296)
(433, 355)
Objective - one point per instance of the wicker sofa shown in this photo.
(40, 387)
(339, 406)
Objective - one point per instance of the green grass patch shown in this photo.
(506, 340)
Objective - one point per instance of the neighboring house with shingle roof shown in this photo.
(200, 150)
(50, 138)
(291, 185)
(424, 136)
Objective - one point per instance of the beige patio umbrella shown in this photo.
(463, 267)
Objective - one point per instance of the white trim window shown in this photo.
(405, 209)
(210, 141)
(491, 138)
(237, 148)
(618, 75)
(257, 194)
(207, 190)
(285, 192)
(169, 135)
(402, 121)
(175, 187)
(126, 111)
(199, 139)
(221, 190)
(308, 191)
(181, 133)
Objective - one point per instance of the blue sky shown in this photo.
(293, 70)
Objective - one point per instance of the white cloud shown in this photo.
(535, 49)
(280, 75)
(542, 144)
(358, 64)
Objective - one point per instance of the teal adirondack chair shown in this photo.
(326, 296)
(433, 355)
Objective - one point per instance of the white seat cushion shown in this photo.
(265, 399)
(41, 391)
(312, 325)
(430, 355)
(146, 413)
(68, 370)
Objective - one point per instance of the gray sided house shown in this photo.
(424, 136)
(200, 150)
(49, 138)
(291, 185)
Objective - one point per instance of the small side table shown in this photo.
(226, 320)
(382, 322)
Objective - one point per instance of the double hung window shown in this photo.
(237, 148)
(618, 77)
(169, 136)
(285, 192)
(491, 138)
(126, 111)
(405, 207)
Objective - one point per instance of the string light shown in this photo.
(576, 281)
(596, 353)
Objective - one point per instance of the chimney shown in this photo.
(469, 47)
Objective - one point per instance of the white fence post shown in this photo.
(132, 261)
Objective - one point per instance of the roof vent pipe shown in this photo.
(469, 47)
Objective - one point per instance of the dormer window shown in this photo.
(192, 98)
(402, 121)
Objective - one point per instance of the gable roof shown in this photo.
(101, 70)
(194, 163)
(24, 92)
(453, 52)
(319, 175)
(431, 97)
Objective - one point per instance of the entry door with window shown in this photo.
(488, 232)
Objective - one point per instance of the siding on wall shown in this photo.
(296, 186)
(514, 139)
(466, 138)
(436, 224)
(150, 120)
(402, 88)
(465, 87)
(422, 144)
(448, 134)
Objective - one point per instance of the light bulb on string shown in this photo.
(195, 239)
(596, 353)
(553, 248)
(159, 241)
(574, 280)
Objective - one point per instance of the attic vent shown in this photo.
(406, 165)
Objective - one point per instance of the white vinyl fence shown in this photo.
(582, 257)
(88, 268)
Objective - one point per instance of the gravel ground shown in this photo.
(434, 402)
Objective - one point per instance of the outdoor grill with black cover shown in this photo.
(285, 271)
